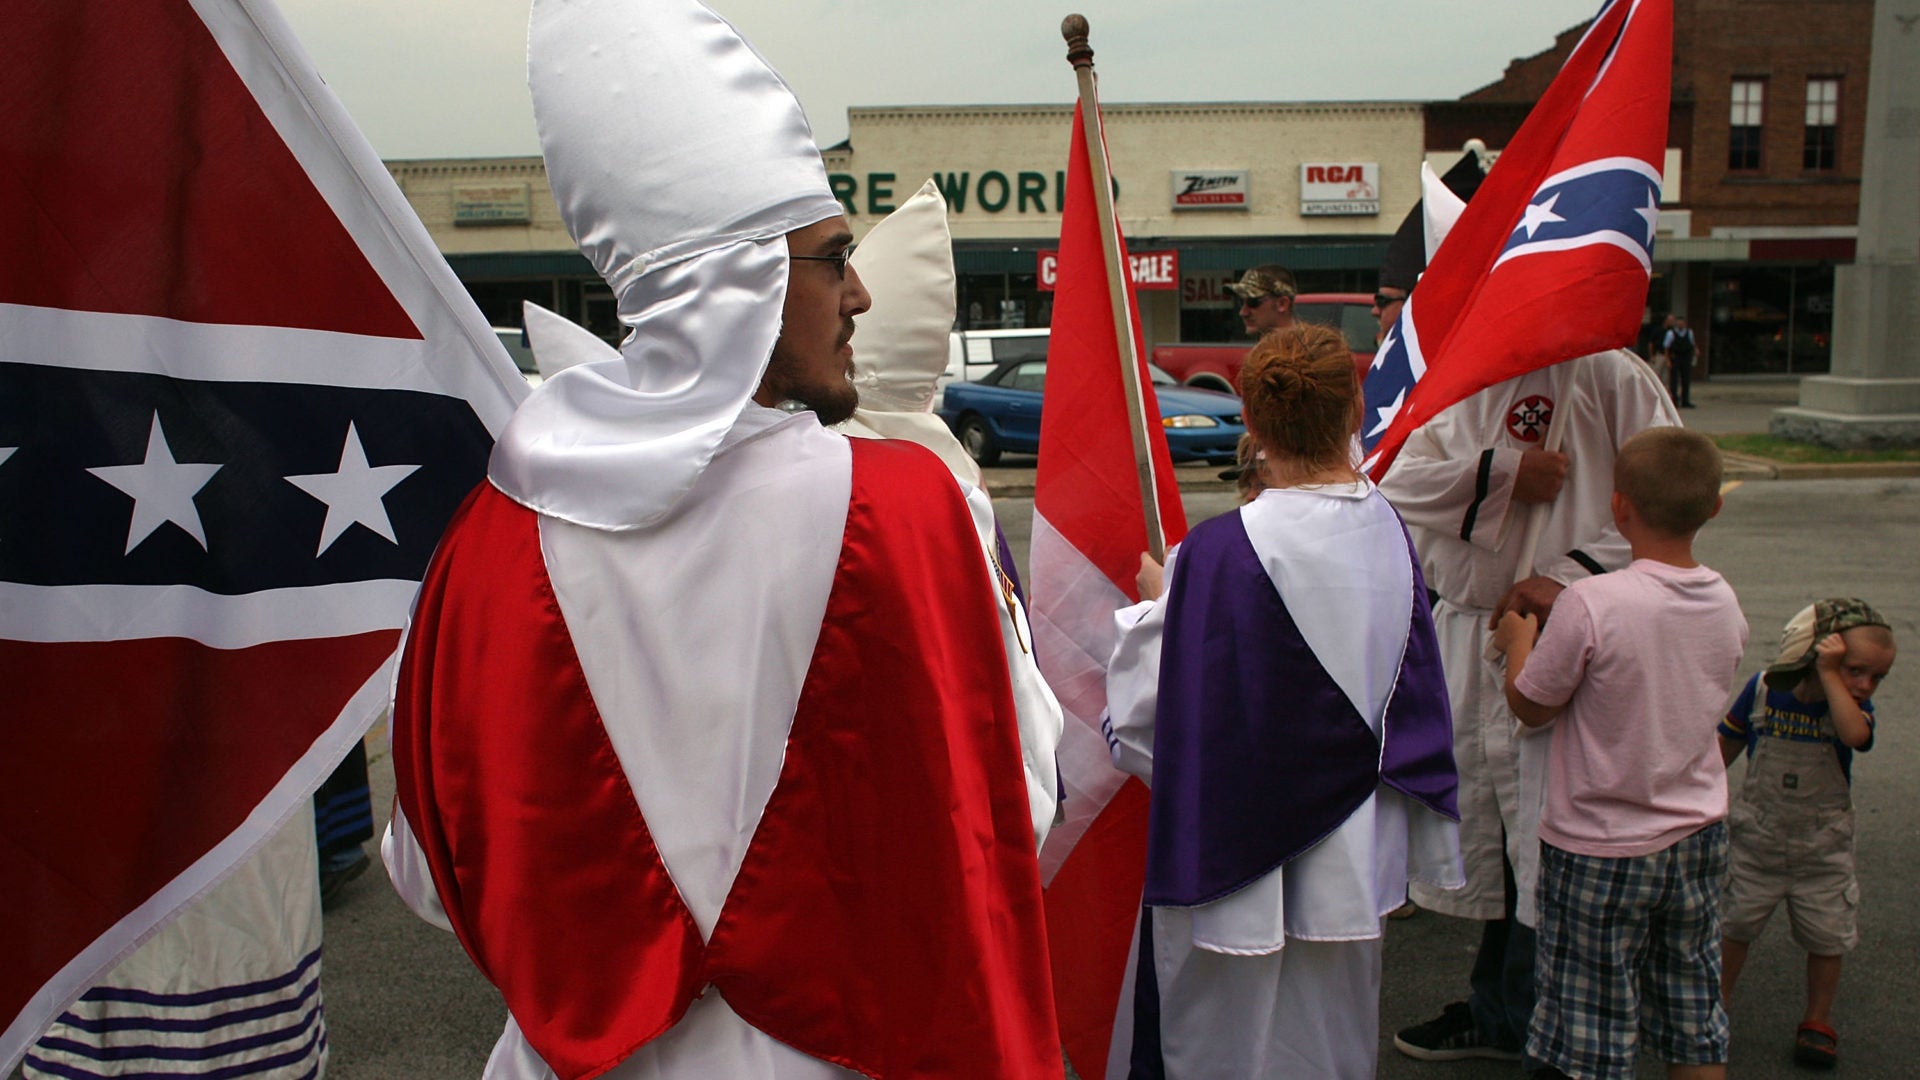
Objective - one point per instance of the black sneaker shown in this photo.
(332, 881)
(1451, 1036)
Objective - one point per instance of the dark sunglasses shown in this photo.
(840, 261)
(1381, 299)
(1249, 302)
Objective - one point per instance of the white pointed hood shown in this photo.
(679, 160)
(906, 263)
(1442, 208)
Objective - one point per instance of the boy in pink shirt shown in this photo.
(1635, 665)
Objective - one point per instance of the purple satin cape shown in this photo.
(1257, 753)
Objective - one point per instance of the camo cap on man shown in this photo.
(1270, 279)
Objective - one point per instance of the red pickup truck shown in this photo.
(1217, 366)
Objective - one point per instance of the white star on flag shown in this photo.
(162, 489)
(1380, 350)
(1388, 411)
(1538, 214)
(1651, 212)
(6, 452)
(354, 492)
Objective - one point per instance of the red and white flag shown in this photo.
(1089, 529)
(240, 395)
(1551, 258)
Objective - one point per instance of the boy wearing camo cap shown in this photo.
(1793, 819)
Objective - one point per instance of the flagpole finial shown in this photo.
(1074, 28)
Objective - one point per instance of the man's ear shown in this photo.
(1622, 509)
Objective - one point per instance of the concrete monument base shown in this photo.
(1849, 430)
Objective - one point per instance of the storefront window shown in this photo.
(601, 312)
(1209, 312)
(1771, 319)
(1002, 302)
(500, 301)
(1653, 316)
(589, 303)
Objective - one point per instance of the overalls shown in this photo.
(1793, 840)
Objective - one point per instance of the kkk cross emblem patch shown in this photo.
(1528, 419)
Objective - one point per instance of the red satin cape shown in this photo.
(887, 916)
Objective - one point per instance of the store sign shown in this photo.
(1210, 189)
(992, 191)
(1151, 270)
(492, 204)
(1329, 188)
(1207, 290)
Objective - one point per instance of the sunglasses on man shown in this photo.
(1381, 299)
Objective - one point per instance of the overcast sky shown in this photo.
(447, 78)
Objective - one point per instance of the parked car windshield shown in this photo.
(1019, 348)
(1033, 376)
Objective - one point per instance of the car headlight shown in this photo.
(1188, 420)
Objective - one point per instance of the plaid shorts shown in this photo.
(1630, 945)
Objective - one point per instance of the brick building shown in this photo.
(1764, 158)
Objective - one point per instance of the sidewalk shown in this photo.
(1725, 406)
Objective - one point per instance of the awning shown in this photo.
(976, 257)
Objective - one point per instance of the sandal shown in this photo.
(1816, 1046)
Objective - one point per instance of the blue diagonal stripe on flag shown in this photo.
(1609, 201)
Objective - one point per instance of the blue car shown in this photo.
(1001, 414)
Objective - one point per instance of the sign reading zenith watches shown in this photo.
(1210, 189)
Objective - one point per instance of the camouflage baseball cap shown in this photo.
(1269, 279)
(1807, 627)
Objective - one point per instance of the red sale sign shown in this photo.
(1149, 269)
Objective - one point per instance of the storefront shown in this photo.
(1203, 191)
(1773, 314)
(1761, 305)
(495, 221)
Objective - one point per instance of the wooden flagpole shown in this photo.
(1074, 28)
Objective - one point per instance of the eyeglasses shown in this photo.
(1381, 300)
(1248, 303)
(840, 261)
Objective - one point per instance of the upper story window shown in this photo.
(1749, 107)
(1821, 150)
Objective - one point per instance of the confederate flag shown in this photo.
(1551, 258)
(240, 395)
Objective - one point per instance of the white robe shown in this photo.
(1453, 483)
(1282, 977)
(232, 983)
(685, 629)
